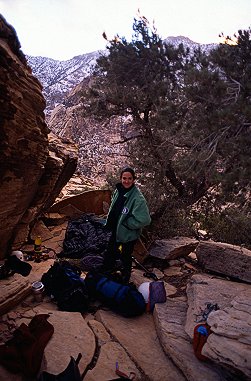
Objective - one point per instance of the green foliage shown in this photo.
(231, 225)
(191, 116)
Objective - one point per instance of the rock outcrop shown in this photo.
(173, 248)
(103, 144)
(221, 258)
(34, 168)
(229, 343)
(156, 346)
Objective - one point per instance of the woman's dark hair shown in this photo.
(128, 169)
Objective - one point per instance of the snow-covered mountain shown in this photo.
(187, 43)
(100, 150)
(60, 77)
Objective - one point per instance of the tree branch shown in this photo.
(170, 174)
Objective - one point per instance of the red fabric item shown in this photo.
(24, 352)
(201, 333)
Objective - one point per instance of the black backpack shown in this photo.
(63, 282)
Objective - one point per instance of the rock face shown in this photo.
(169, 320)
(102, 144)
(33, 169)
(221, 258)
(229, 343)
(207, 289)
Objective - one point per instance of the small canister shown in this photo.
(38, 291)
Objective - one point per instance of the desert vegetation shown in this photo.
(187, 122)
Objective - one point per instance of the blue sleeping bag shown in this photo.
(123, 299)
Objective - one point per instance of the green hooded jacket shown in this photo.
(134, 216)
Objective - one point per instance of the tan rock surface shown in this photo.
(138, 278)
(230, 342)
(99, 331)
(71, 336)
(13, 290)
(234, 321)
(162, 336)
(169, 321)
(38, 269)
(138, 337)
(203, 289)
(110, 352)
(174, 270)
(229, 353)
(25, 149)
(173, 248)
(225, 259)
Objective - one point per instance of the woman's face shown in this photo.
(127, 179)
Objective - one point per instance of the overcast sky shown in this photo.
(62, 29)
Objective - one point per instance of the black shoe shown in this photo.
(18, 266)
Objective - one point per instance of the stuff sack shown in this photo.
(201, 333)
(157, 294)
(123, 299)
(63, 282)
(153, 292)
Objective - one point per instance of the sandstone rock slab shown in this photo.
(138, 337)
(12, 290)
(206, 289)
(229, 353)
(108, 352)
(168, 249)
(230, 342)
(71, 336)
(169, 321)
(222, 258)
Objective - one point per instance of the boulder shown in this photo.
(229, 343)
(169, 321)
(203, 290)
(222, 258)
(168, 249)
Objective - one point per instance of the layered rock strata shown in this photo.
(33, 169)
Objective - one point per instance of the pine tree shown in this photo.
(191, 117)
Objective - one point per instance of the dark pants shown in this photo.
(119, 252)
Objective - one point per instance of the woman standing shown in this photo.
(127, 215)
